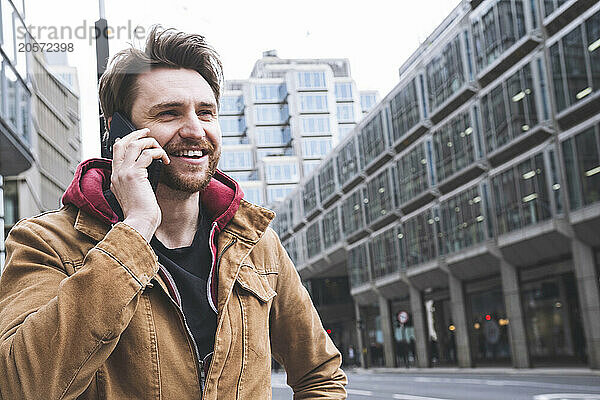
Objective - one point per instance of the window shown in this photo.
(582, 165)
(235, 160)
(347, 162)
(378, 197)
(282, 172)
(232, 105)
(273, 136)
(345, 112)
(315, 147)
(234, 140)
(311, 80)
(521, 196)
(344, 130)
(412, 174)
(12, 86)
(343, 91)
(405, 110)
(308, 166)
(445, 74)
(352, 217)
(244, 176)
(278, 192)
(454, 148)
(232, 124)
(253, 194)
(271, 114)
(313, 239)
(327, 184)
(575, 62)
(368, 101)
(11, 203)
(309, 196)
(372, 140)
(313, 102)
(418, 239)
(500, 27)
(358, 265)
(274, 152)
(384, 256)
(331, 228)
(8, 38)
(509, 109)
(462, 221)
(270, 93)
(315, 125)
(552, 5)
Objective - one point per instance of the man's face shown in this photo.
(180, 109)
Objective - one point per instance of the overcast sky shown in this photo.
(376, 36)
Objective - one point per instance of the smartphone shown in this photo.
(120, 126)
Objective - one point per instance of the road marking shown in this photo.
(566, 396)
(518, 383)
(411, 397)
(359, 392)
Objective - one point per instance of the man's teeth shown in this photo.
(189, 153)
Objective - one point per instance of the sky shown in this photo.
(377, 36)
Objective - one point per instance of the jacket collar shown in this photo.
(221, 201)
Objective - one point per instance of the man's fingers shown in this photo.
(148, 155)
(136, 147)
(121, 144)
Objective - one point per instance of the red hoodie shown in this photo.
(220, 201)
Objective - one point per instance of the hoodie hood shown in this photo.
(220, 200)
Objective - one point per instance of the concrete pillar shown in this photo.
(387, 327)
(514, 312)
(420, 324)
(589, 298)
(361, 327)
(459, 319)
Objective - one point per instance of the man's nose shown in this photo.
(192, 126)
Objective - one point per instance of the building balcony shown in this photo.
(418, 201)
(534, 244)
(383, 220)
(358, 234)
(392, 285)
(332, 198)
(520, 144)
(565, 14)
(453, 102)
(353, 182)
(475, 3)
(586, 224)
(365, 294)
(379, 161)
(427, 275)
(412, 135)
(462, 176)
(477, 261)
(579, 111)
(15, 154)
(509, 58)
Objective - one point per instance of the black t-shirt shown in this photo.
(189, 267)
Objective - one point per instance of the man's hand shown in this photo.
(129, 180)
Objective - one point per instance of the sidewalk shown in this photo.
(557, 371)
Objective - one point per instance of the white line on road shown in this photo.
(359, 392)
(411, 397)
(567, 396)
(517, 383)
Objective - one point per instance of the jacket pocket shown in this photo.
(255, 283)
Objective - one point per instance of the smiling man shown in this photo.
(182, 293)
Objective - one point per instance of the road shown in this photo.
(457, 386)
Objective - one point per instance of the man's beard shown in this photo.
(196, 181)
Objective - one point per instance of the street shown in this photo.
(460, 386)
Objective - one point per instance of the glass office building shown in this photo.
(469, 198)
(279, 124)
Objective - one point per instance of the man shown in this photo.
(187, 296)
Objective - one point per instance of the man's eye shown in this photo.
(167, 113)
(205, 112)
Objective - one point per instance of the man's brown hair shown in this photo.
(164, 48)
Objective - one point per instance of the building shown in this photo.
(16, 154)
(278, 124)
(461, 216)
(52, 117)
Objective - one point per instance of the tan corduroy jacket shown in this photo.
(85, 315)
